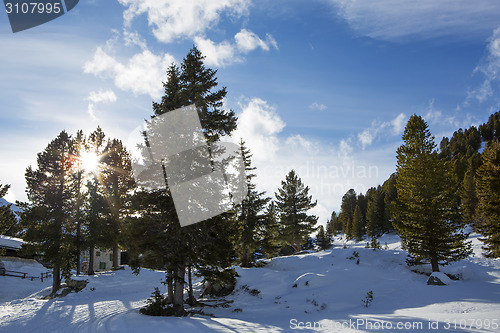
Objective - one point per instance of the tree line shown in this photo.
(433, 195)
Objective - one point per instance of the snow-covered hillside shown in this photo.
(323, 291)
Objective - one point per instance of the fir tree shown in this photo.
(118, 181)
(428, 216)
(469, 197)
(271, 242)
(207, 246)
(334, 225)
(357, 224)
(251, 220)
(375, 224)
(46, 216)
(346, 215)
(8, 222)
(96, 212)
(488, 192)
(323, 240)
(390, 199)
(293, 202)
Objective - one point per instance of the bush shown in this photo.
(157, 305)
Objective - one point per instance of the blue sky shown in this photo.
(322, 86)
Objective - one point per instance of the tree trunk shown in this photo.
(435, 265)
(190, 300)
(78, 248)
(179, 290)
(90, 270)
(170, 286)
(56, 278)
(245, 257)
(116, 253)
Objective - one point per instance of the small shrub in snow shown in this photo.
(253, 292)
(355, 254)
(375, 244)
(156, 304)
(368, 299)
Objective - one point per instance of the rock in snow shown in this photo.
(438, 279)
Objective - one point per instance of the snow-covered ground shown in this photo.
(321, 291)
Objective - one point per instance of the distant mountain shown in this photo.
(4, 202)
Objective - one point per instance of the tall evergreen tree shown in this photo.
(357, 223)
(375, 224)
(251, 219)
(347, 209)
(429, 220)
(118, 181)
(293, 201)
(271, 242)
(209, 245)
(46, 215)
(390, 199)
(488, 191)
(96, 211)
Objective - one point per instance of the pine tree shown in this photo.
(96, 211)
(346, 215)
(375, 223)
(271, 242)
(390, 200)
(293, 202)
(469, 197)
(323, 240)
(429, 220)
(47, 215)
(488, 192)
(208, 246)
(357, 224)
(198, 83)
(251, 220)
(334, 225)
(8, 222)
(118, 181)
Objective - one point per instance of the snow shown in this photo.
(10, 242)
(322, 291)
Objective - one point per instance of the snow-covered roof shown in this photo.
(12, 243)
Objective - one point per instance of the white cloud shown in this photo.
(400, 19)
(393, 127)
(398, 124)
(218, 55)
(317, 106)
(142, 74)
(247, 41)
(226, 53)
(101, 96)
(490, 68)
(259, 126)
(173, 19)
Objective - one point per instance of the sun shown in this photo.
(89, 162)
